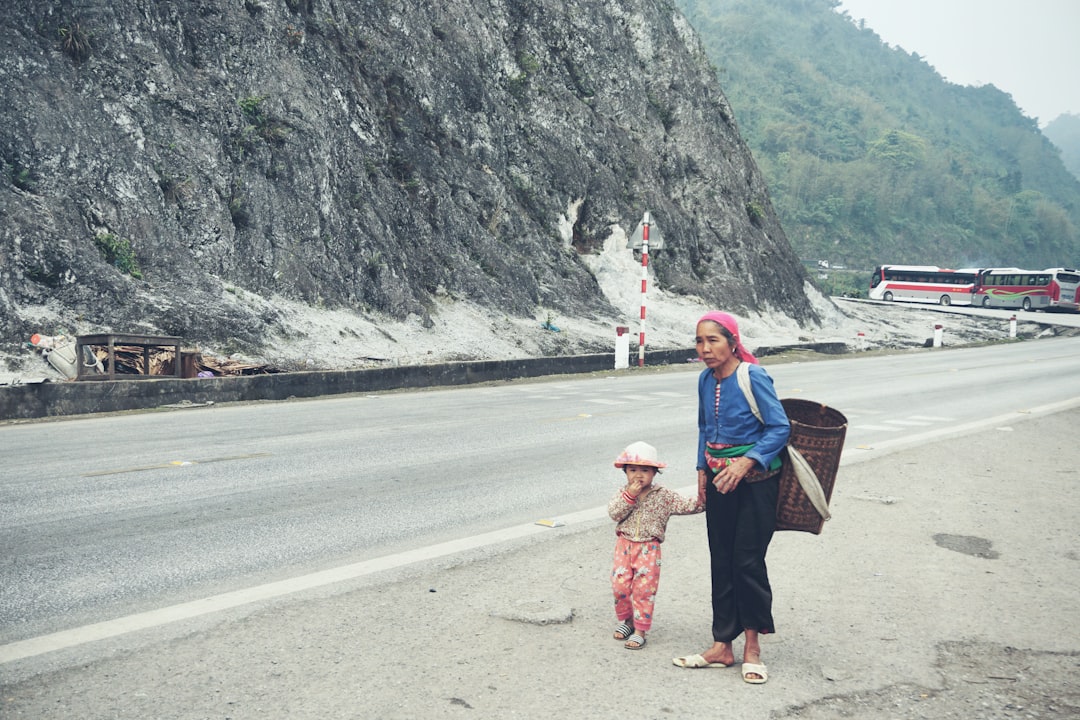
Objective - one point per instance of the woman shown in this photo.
(738, 475)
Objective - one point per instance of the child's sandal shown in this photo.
(635, 642)
(623, 631)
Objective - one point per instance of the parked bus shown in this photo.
(923, 283)
(1015, 288)
(1050, 289)
(1066, 294)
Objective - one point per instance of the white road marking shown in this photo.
(31, 647)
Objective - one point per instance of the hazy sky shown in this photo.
(1027, 48)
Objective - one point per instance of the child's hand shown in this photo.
(634, 487)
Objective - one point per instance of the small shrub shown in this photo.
(118, 252)
(238, 212)
(528, 63)
(260, 122)
(76, 43)
(755, 211)
(23, 179)
(251, 106)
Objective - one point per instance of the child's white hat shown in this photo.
(639, 453)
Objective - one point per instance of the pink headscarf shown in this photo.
(728, 323)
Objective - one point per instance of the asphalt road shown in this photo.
(945, 448)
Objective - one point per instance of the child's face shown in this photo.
(641, 474)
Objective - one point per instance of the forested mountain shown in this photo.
(1064, 131)
(871, 156)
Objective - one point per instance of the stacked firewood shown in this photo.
(130, 361)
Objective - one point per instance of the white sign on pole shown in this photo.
(656, 240)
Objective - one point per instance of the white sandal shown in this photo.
(755, 669)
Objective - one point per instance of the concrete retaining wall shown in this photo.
(53, 399)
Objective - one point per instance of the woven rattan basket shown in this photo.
(817, 431)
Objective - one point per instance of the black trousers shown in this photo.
(741, 525)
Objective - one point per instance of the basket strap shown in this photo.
(808, 479)
(742, 375)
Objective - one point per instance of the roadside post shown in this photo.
(641, 240)
(939, 332)
(622, 347)
(1012, 326)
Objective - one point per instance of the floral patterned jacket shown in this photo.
(648, 517)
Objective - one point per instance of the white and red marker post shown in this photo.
(644, 286)
(645, 235)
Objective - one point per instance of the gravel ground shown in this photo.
(945, 586)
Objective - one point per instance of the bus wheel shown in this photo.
(887, 297)
(986, 301)
(1027, 304)
(945, 300)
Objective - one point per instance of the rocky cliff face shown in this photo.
(163, 158)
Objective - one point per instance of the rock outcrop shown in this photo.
(163, 159)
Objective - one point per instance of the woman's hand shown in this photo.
(732, 474)
(702, 479)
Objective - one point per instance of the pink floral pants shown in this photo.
(635, 578)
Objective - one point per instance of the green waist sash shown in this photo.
(738, 451)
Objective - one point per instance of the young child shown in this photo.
(641, 511)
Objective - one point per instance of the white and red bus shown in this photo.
(1065, 289)
(1012, 288)
(923, 284)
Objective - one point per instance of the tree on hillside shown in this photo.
(872, 156)
(1064, 132)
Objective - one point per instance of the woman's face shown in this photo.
(713, 346)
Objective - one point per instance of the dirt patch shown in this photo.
(980, 681)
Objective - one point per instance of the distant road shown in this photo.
(1052, 318)
(103, 517)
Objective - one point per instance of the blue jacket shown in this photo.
(735, 423)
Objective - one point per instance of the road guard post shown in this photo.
(622, 347)
(641, 240)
